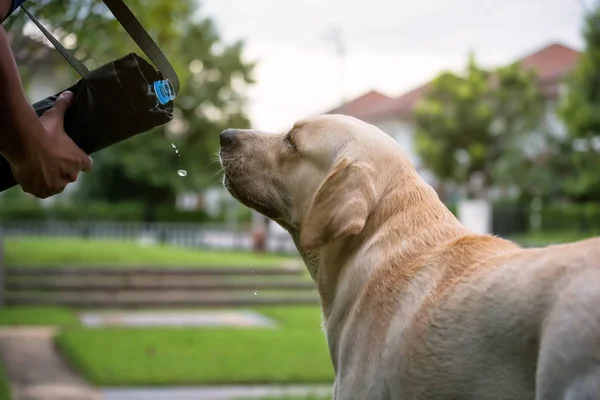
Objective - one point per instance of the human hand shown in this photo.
(49, 159)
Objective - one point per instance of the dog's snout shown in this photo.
(228, 136)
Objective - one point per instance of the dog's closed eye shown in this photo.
(289, 139)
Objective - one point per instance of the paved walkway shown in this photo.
(217, 393)
(36, 371)
(176, 318)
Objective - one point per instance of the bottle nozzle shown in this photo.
(164, 91)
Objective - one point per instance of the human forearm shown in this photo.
(20, 120)
(42, 157)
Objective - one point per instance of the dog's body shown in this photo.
(415, 306)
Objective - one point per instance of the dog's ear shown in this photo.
(340, 207)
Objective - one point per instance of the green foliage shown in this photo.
(99, 211)
(82, 253)
(213, 78)
(5, 392)
(579, 112)
(295, 352)
(466, 123)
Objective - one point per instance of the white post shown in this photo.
(476, 215)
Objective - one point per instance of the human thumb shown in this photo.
(63, 102)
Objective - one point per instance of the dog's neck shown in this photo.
(408, 222)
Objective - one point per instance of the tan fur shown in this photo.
(415, 306)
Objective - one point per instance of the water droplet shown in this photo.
(182, 172)
(173, 145)
(256, 292)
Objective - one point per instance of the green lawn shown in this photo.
(292, 353)
(63, 251)
(25, 315)
(5, 393)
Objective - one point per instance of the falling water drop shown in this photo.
(256, 292)
(173, 145)
(182, 172)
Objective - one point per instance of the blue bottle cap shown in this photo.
(164, 91)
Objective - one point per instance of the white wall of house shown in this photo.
(552, 120)
(403, 133)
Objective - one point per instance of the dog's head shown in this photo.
(320, 180)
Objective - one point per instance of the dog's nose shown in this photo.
(228, 136)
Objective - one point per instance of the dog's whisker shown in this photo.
(219, 172)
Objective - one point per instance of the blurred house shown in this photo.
(394, 115)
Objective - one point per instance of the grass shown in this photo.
(81, 252)
(31, 316)
(292, 353)
(5, 393)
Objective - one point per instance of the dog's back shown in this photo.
(525, 324)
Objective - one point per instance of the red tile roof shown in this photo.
(551, 63)
(361, 106)
(400, 106)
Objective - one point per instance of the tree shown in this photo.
(466, 123)
(213, 78)
(579, 112)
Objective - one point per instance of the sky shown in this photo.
(390, 46)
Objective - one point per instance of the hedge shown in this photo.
(508, 218)
(123, 212)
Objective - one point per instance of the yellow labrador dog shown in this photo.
(415, 306)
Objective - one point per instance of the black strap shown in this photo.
(133, 28)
